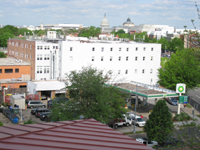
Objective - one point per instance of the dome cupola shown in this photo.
(104, 22)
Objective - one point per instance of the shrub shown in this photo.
(181, 117)
(1, 124)
(29, 122)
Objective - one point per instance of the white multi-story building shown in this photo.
(53, 58)
(127, 60)
(47, 62)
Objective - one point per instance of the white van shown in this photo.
(139, 121)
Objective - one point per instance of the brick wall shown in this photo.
(23, 47)
(23, 70)
(14, 85)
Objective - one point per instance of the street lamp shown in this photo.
(4, 90)
(135, 110)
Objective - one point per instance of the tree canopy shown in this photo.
(11, 29)
(160, 125)
(4, 36)
(175, 44)
(90, 97)
(40, 32)
(91, 31)
(2, 55)
(182, 67)
(24, 30)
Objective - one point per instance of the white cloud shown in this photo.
(133, 13)
(90, 12)
(175, 18)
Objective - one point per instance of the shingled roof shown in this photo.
(79, 134)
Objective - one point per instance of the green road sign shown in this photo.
(183, 99)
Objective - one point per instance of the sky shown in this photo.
(176, 13)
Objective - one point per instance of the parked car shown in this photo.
(41, 111)
(173, 142)
(147, 142)
(43, 97)
(139, 121)
(57, 99)
(172, 100)
(48, 118)
(44, 115)
(127, 121)
(33, 111)
(132, 115)
(35, 103)
(49, 103)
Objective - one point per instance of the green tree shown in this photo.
(23, 30)
(159, 126)
(91, 31)
(175, 44)
(183, 67)
(12, 29)
(90, 97)
(58, 31)
(2, 55)
(69, 31)
(4, 36)
(164, 43)
(121, 31)
(40, 32)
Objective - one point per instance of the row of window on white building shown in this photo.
(136, 71)
(46, 47)
(42, 69)
(120, 49)
(111, 58)
(40, 57)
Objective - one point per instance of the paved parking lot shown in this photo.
(26, 114)
(140, 111)
(144, 110)
(125, 129)
(5, 120)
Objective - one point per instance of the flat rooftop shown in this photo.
(144, 90)
(9, 61)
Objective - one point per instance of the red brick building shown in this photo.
(23, 50)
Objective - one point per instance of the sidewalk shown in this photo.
(189, 112)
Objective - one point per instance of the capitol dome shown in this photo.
(128, 23)
(104, 22)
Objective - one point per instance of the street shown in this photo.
(135, 136)
(195, 94)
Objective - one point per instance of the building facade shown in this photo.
(127, 60)
(23, 50)
(41, 54)
(14, 73)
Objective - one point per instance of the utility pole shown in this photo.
(135, 110)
